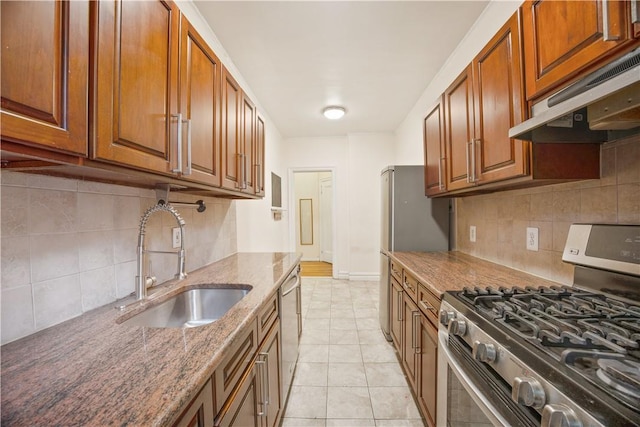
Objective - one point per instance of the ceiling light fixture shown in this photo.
(333, 112)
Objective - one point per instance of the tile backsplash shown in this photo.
(501, 218)
(69, 246)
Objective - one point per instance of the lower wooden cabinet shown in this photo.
(200, 412)
(395, 301)
(242, 409)
(410, 347)
(428, 370)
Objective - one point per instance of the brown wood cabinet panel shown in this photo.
(395, 301)
(499, 105)
(434, 151)
(200, 412)
(259, 155)
(396, 270)
(200, 95)
(564, 38)
(230, 131)
(410, 342)
(45, 73)
(428, 303)
(428, 361)
(136, 90)
(410, 284)
(242, 410)
(270, 351)
(459, 128)
(248, 145)
(267, 316)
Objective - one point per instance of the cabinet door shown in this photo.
(248, 145)
(242, 408)
(199, 89)
(434, 160)
(395, 300)
(136, 74)
(272, 378)
(259, 155)
(499, 105)
(230, 131)
(428, 362)
(200, 411)
(458, 102)
(410, 348)
(561, 38)
(45, 51)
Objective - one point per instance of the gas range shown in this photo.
(559, 355)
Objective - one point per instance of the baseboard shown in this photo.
(370, 277)
(310, 259)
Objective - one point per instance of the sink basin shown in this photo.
(190, 308)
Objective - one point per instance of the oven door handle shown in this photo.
(489, 410)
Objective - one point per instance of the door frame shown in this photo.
(322, 220)
(292, 204)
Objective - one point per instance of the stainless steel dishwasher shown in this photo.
(291, 324)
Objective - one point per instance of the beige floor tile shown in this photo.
(343, 336)
(311, 374)
(349, 324)
(316, 324)
(366, 313)
(345, 354)
(378, 353)
(371, 336)
(348, 402)
(347, 375)
(314, 336)
(307, 402)
(400, 423)
(384, 375)
(303, 422)
(393, 403)
(318, 314)
(313, 353)
(367, 323)
(342, 313)
(354, 422)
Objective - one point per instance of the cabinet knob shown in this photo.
(446, 316)
(458, 327)
(559, 415)
(484, 352)
(528, 392)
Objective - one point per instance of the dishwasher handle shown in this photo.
(294, 275)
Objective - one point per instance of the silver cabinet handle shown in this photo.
(474, 165)
(267, 395)
(606, 35)
(414, 326)
(635, 18)
(262, 364)
(179, 144)
(244, 171)
(441, 181)
(187, 170)
(467, 157)
(427, 306)
(400, 319)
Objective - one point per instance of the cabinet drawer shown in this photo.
(267, 316)
(200, 411)
(410, 285)
(396, 271)
(234, 365)
(428, 303)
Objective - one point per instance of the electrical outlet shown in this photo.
(472, 233)
(176, 240)
(532, 239)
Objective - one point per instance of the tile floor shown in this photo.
(347, 374)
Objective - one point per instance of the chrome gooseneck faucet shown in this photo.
(142, 280)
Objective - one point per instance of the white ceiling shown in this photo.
(375, 58)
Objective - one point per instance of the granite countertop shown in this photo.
(91, 370)
(451, 271)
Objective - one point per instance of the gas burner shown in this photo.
(622, 375)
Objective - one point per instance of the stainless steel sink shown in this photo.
(190, 308)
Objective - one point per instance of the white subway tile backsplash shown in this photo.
(98, 287)
(15, 211)
(15, 262)
(126, 212)
(51, 182)
(125, 243)
(17, 313)
(53, 256)
(125, 278)
(52, 211)
(95, 211)
(57, 300)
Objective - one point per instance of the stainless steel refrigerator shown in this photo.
(410, 222)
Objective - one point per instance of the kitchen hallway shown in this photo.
(347, 374)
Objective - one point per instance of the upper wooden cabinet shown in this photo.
(200, 71)
(247, 159)
(434, 151)
(499, 105)
(136, 120)
(259, 155)
(230, 131)
(45, 54)
(565, 38)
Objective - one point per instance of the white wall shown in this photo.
(356, 161)
(408, 139)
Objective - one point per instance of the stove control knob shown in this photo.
(484, 352)
(528, 392)
(458, 327)
(446, 316)
(559, 415)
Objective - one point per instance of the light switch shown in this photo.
(532, 239)
(472, 233)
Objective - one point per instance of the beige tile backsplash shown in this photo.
(68, 246)
(501, 218)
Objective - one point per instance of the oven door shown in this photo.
(470, 392)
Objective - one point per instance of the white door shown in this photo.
(326, 220)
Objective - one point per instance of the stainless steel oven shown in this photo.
(517, 355)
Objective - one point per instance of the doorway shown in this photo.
(313, 220)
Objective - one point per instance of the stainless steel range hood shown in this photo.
(606, 100)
